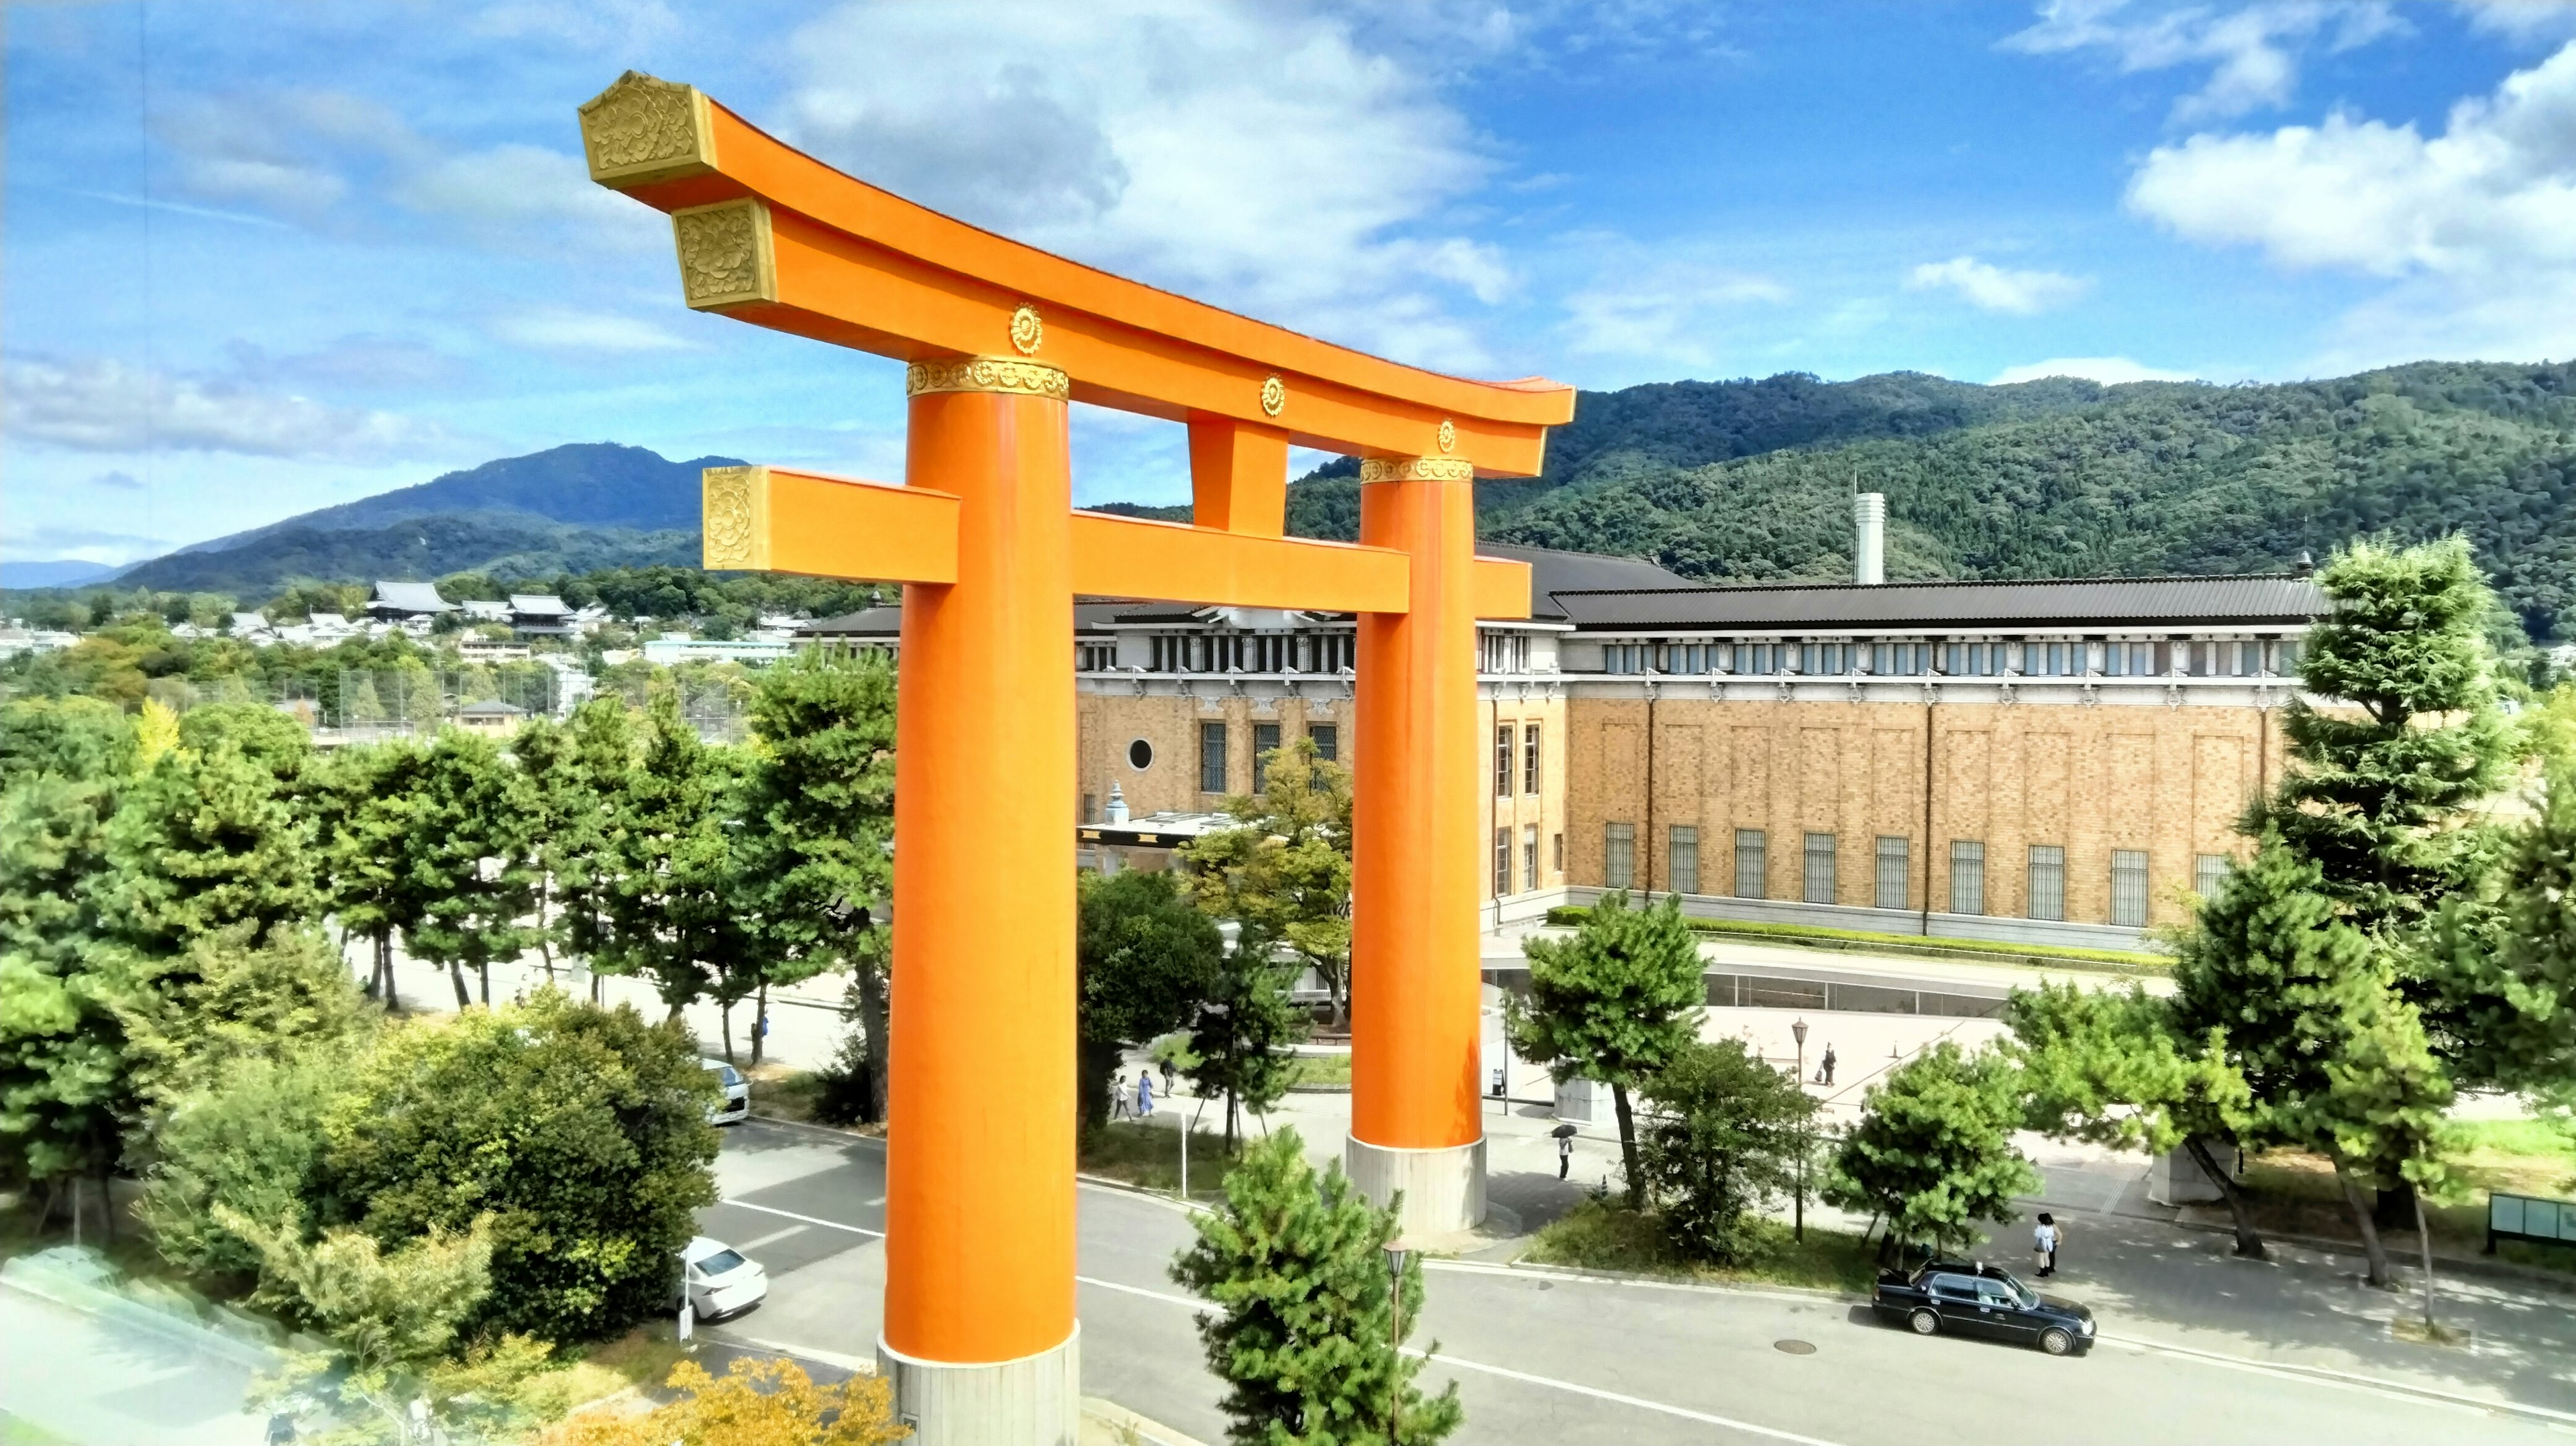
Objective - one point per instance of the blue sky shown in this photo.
(264, 258)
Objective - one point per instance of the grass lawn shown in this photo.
(1326, 1071)
(1149, 1156)
(1604, 1234)
(782, 1093)
(642, 1357)
(2295, 1193)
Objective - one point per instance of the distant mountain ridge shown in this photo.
(573, 508)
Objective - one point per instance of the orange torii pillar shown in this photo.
(1416, 1128)
(980, 1336)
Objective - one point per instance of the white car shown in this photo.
(721, 1280)
(737, 1094)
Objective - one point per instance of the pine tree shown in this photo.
(2291, 987)
(675, 915)
(466, 851)
(204, 840)
(2510, 957)
(1243, 1030)
(361, 801)
(1932, 1152)
(1614, 1003)
(61, 1054)
(1302, 1331)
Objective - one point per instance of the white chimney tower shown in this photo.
(1869, 547)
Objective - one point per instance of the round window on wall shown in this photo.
(1140, 755)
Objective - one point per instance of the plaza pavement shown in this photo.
(2197, 1346)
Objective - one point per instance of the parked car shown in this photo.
(1963, 1297)
(737, 1095)
(721, 1281)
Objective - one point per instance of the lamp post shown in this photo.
(1396, 1255)
(1798, 1032)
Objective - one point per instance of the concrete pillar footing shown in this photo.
(1032, 1401)
(1444, 1189)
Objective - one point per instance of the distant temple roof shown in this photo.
(409, 597)
(538, 604)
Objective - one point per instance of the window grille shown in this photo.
(1211, 758)
(1967, 876)
(1265, 741)
(1619, 856)
(1681, 856)
(1895, 873)
(2047, 881)
(2129, 888)
(1819, 874)
(1752, 864)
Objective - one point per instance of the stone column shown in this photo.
(1416, 1127)
(980, 1339)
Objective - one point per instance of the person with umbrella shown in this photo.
(1564, 1149)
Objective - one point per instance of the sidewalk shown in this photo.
(99, 1380)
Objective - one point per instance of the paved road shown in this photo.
(1577, 1360)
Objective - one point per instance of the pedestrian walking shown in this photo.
(1564, 1155)
(1829, 1062)
(1144, 1094)
(1167, 1079)
(1118, 1109)
(2043, 1244)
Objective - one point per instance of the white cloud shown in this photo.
(2524, 20)
(1670, 311)
(102, 405)
(560, 329)
(1263, 158)
(1992, 288)
(2110, 371)
(2475, 228)
(617, 25)
(311, 155)
(2250, 51)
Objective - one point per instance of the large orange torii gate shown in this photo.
(979, 1335)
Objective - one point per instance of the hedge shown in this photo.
(1570, 915)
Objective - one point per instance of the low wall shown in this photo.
(1883, 921)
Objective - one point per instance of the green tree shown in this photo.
(203, 841)
(2510, 957)
(578, 773)
(1147, 957)
(1614, 1003)
(61, 1052)
(1302, 1333)
(249, 1141)
(388, 1309)
(70, 738)
(229, 997)
(819, 817)
(1243, 1031)
(1932, 1153)
(676, 911)
(581, 1131)
(2116, 1068)
(467, 855)
(2277, 972)
(1286, 871)
(263, 735)
(1729, 1140)
(362, 801)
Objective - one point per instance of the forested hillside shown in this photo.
(2070, 479)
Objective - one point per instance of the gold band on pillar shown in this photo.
(987, 374)
(1417, 469)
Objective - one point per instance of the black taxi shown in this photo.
(1963, 1297)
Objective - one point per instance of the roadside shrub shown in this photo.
(844, 1093)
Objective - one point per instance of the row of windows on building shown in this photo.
(2029, 658)
(1225, 652)
(1528, 850)
(1892, 873)
(1266, 739)
(1516, 757)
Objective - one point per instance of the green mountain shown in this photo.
(1752, 480)
(501, 546)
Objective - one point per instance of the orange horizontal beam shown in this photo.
(1502, 588)
(848, 263)
(776, 519)
(1134, 557)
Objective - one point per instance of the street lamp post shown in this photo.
(1798, 1032)
(1396, 1254)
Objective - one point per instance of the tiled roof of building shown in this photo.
(410, 597)
(2110, 601)
(538, 604)
(1553, 571)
